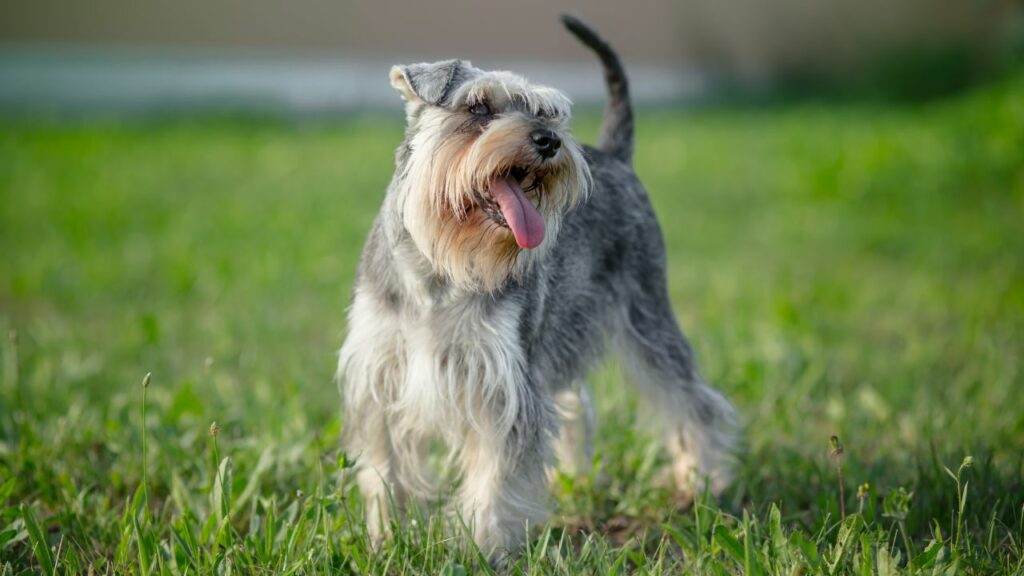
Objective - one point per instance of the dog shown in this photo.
(506, 258)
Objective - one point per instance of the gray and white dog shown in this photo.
(505, 259)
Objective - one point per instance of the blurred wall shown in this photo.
(749, 38)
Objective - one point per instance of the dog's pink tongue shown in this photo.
(523, 218)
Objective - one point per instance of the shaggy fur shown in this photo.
(457, 333)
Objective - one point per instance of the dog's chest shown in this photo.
(463, 364)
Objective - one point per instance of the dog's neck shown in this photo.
(411, 271)
(408, 273)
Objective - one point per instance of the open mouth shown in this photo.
(507, 205)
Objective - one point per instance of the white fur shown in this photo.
(574, 446)
(450, 374)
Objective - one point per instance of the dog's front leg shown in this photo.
(381, 493)
(504, 490)
(370, 367)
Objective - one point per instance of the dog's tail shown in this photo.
(616, 136)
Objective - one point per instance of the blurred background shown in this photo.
(323, 56)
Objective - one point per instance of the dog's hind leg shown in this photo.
(700, 423)
(574, 447)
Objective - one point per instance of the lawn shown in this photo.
(854, 270)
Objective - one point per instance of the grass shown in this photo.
(855, 271)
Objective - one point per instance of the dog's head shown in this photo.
(487, 170)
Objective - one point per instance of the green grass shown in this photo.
(852, 270)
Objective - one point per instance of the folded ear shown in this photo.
(430, 82)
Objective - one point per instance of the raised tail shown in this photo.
(616, 136)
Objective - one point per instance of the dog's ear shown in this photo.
(430, 82)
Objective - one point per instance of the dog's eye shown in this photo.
(480, 109)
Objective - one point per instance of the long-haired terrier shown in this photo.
(505, 258)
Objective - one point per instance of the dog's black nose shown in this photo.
(546, 141)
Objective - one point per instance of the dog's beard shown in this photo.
(458, 219)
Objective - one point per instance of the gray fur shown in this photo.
(479, 369)
(616, 137)
(434, 82)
